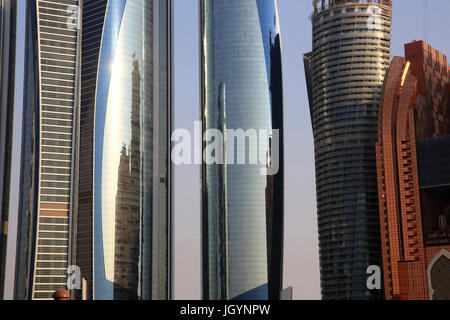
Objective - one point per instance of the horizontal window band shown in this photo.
(55, 199)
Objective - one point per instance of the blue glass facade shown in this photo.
(242, 210)
(124, 244)
(434, 162)
(104, 289)
(433, 157)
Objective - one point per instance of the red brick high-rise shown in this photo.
(413, 156)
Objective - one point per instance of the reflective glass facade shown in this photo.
(434, 161)
(242, 210)
(47, 149)
(8, 13)
(345, 72)
(123, 218)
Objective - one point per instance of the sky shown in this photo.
(412, 19)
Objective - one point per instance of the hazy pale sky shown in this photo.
(412, 19)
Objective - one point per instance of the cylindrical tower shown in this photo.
(351, 53)
(242, 210)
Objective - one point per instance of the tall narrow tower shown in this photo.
(242, 209)
(49, 114)
(8, 13)
(345, 72)
(96, 166)
(413, 152)
(122, 239)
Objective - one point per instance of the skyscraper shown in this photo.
(345, 71)
(96, 171)
(123, 209)
(413, 160)
(49, 114)
(8, 13)
(242, 210)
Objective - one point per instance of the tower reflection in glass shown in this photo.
(123, 224)
(242, 210)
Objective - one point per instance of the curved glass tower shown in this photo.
(242, 210)
(345, 72)
(123, 219)
(8, 12)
